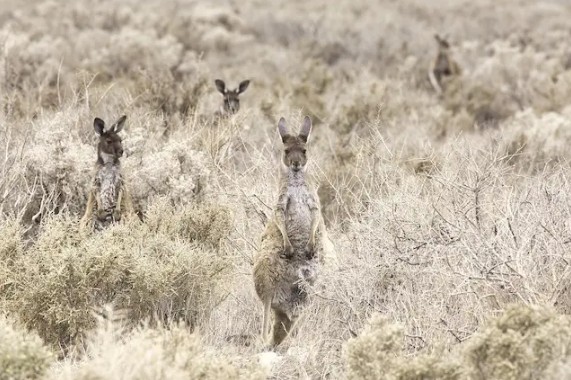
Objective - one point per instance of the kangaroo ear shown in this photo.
(99, 126)
(305, 129)
(243, 86)
(119, 124)
(220, 85)
(283, 129)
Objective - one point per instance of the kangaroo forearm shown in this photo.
(89, 206)
(280, 222)
(128, 202)
(434, 81)
(119, 201)
(315, 219)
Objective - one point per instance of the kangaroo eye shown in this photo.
(109, 141)
(287, 151)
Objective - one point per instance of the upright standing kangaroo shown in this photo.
(292, 244)
(443, 65)
(108, 195)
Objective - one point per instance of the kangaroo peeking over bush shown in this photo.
(292, 244)
(231, 100)
(443, 66)
(108, 198)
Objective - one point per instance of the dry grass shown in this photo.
(440, 224)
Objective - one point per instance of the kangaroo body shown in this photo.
(109, 182)
(108, 196)
(443, 66)
(291, 251)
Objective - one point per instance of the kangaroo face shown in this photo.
(110, 147)
(295, 147)
(231, 101)
(443, 44)
(231, 97)
(295, 153)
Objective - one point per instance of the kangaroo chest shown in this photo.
(298, 212)
(443, 64)
(108, 181)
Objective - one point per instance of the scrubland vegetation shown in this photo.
(450, 214)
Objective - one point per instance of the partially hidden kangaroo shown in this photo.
(293, 241)
(108, 198)
(443, 66)
(231, 100)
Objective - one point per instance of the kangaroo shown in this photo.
(293, 241)
(443, 66)
(108, 194)
(231, 103)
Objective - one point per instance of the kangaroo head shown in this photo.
(231, 97)
(295, 147)
(110, 147)
(443, 44)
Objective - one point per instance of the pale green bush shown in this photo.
(22, 353)
(528, 342)
(377, 353)
(161, 353)
(207, 223)
(155, 272)
(523, 343)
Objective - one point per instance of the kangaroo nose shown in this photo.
(120, 152)
(296, 164)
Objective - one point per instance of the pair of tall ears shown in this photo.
(221, 86)
(304, 132)
(99, 125)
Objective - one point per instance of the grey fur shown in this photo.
(108, 196)
(282, 278)
(230, 98)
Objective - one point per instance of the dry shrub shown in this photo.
(526, 342)
(23, 355)
(12, 247)
(11, 244)
(534, 142)
(341, 188)
(162, 353)
(150, 52)
(377, 353)
(314, 81)
(171, 170)
(360, 99)
(57, 164)
(204, 223)
(170, 93)
(154, 271)
(492, 90)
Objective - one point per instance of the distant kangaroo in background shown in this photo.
(108, 195)
(293, 242)
(231, 100)
(443, 66)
